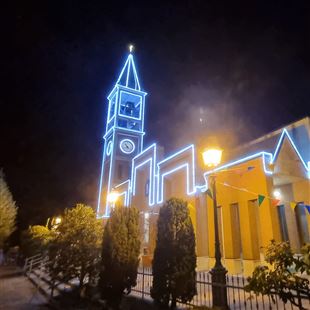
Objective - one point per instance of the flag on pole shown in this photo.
(260, 199)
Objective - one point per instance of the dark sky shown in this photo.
(243, 69)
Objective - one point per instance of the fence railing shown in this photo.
(33, 262)
(237, 296)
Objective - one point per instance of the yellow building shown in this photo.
(263, 189)
(280, 176)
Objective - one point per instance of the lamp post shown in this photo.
(212, 158)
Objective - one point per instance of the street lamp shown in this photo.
(212, 158)
(113, 197)
(57, 220)
(53, 222)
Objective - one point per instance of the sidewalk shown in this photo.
(17, 292)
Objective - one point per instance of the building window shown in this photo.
(283, 223)
(255, 228)
(112, 108)
(147, 188)
(146, 227)
(236, 230)
(302, 226)
(130, 105)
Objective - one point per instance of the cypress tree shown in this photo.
(120, 254)
(8, 211)
(174, 263)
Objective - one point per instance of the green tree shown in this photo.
(36, 239)
(120, 254)
(174, 263)
(75, 251)
(286, 275)
(8, 211)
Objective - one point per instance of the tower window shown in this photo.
(130, 124)
(130, 105)
(112, 107)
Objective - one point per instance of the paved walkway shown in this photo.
(17, 292)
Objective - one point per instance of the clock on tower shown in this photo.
(123, 138)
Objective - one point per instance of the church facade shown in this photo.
(263, 187)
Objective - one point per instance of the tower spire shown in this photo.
(129, 76)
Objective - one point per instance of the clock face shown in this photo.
(127, 146)
(109, 148)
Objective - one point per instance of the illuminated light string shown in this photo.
(114, 98)
(128, 64)
(280, 142)
(107, 211)
(271, 157)
(135, 166)
(127, 191)
(151, 195)
(100, 183)
(109, 148)
(242, 160)
(123, 129)
(119, 88)
(128, 70)
(160, 197)
(202, 188)
(189, 184)
(110, 117)
(256, 194)
(156, 171)
(160, 176)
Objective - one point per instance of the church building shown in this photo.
(262, 187)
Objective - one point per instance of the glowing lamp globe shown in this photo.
(212, 157)
(277, 194)
(112, 197)
(57, 220)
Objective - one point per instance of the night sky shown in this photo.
(236, 71)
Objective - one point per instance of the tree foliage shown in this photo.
(174, 263)
(75, 251)
(8, 211)
(286, 277)
(120, 254)
(36, 239)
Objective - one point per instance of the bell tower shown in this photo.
(123, 138)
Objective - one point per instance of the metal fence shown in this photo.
(237, 297)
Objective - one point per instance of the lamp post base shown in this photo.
(219, 288)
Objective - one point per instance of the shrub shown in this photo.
(174, 263)
(75, 251)
(120, 254)
(286, 275)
